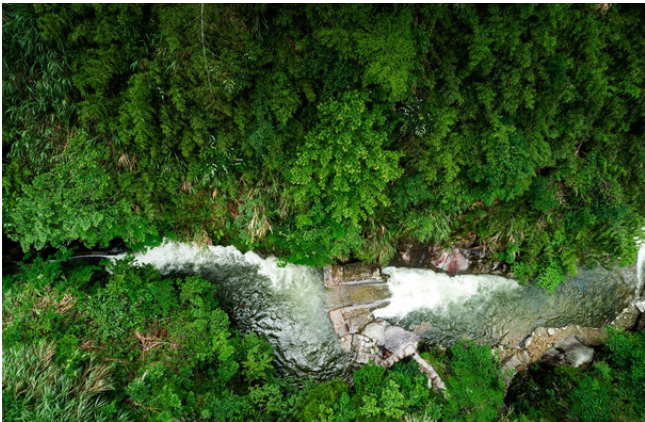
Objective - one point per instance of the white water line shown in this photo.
(414, 288)
(640, 264)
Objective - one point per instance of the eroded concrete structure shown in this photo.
(354, 291)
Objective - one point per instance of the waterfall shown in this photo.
(640, 264)
(414, 289)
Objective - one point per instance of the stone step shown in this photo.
(356, 294)
(353, 319)
(354, 272)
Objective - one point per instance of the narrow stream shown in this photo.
(287, 303)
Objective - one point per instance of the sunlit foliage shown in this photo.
(324, 132)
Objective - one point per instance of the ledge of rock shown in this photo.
(460, 258)
(566, 345)
(384, 344)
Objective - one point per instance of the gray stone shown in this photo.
(569, 351)
(376, 331)
(346, 343)
(627, 318)
(357, 340)
(528, 341)
(640, 304)
(362, 358)
(579, 355)
(511, 363)
(397, 338)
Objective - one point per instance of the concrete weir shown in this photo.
(353, 292)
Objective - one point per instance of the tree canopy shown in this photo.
(325, 132)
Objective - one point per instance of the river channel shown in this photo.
(287, 304)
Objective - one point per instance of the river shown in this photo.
(286, 303)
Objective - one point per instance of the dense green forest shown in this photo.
(318, 133)
(323, 133)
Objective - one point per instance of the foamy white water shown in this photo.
(494, 309)
(415, 288)
(172, 256)
(640, 263)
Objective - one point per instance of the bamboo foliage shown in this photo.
(41, 389)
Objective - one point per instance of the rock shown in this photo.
(640, 304)
(376, 331)
(528, 341)
(396, 338)
(627, 318)
(357, 341)
(568, 351)
(516, 362)
(478, 252)
(346, 343)
(550, 331)
(640, 323)
(511, 363)
(434, 381)
(384, 344)
(452, 261)
(357, 271)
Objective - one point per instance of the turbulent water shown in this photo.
(640, 266)
(493, 309)
(286, 304)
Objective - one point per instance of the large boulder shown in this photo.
(452, 261)
(384, 344)
(570, 351)
(640, 304)
(376, 331)
(397, 338)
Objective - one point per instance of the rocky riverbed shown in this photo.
(355, 292)
(540, 344)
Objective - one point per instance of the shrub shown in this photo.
(35, 388)
(474, 384)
